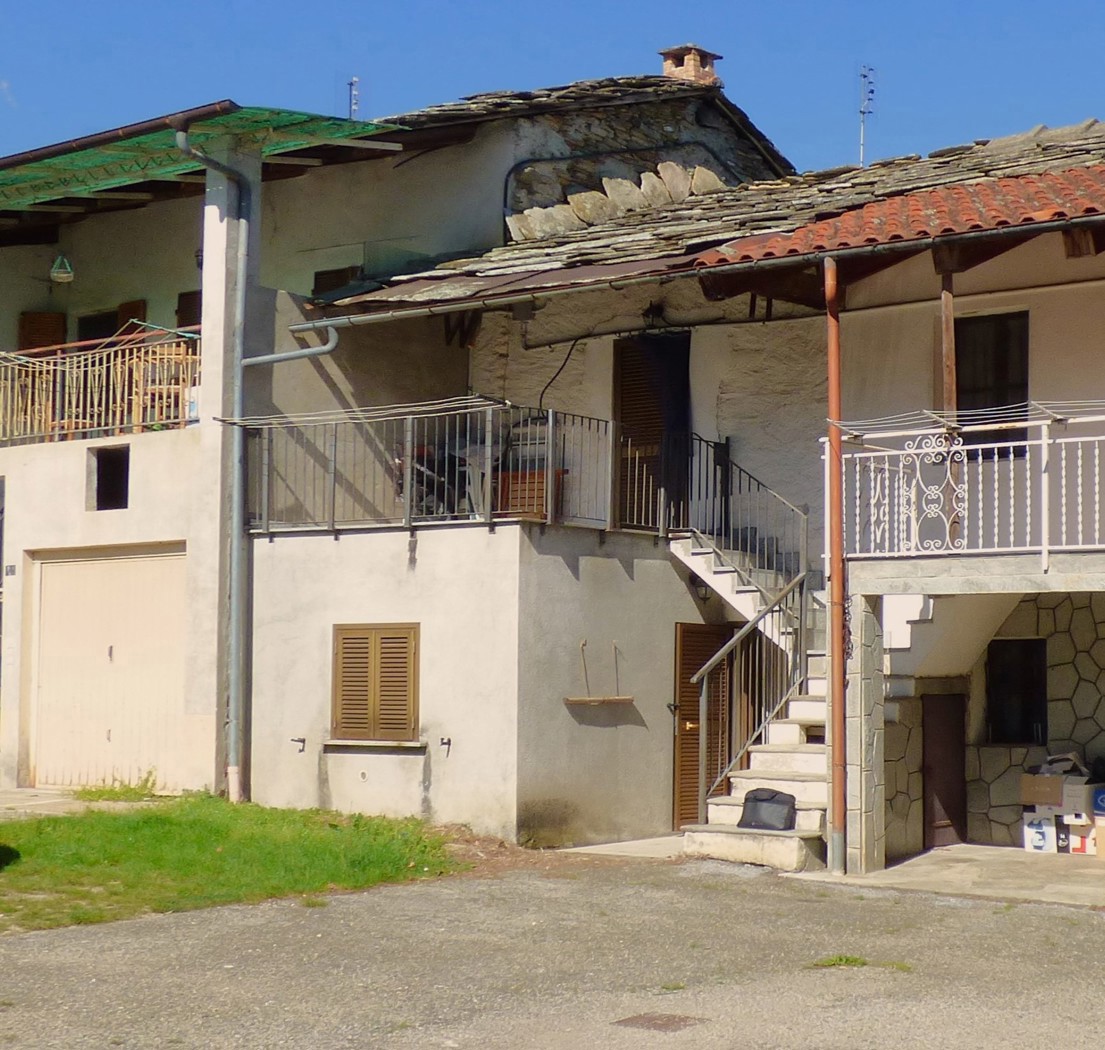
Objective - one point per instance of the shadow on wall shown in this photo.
(607, 715)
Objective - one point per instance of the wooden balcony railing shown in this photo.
(128, 386)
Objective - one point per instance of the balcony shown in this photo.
(130, 385)
(463, 460)
(1026, 480)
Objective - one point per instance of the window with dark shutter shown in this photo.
(375, 682)
(41, 329)
(991, 370)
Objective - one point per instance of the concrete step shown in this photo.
(808, 707)
(782, 850)
(817, 663)
(805, 787)
(727, 809)
(788, 758)
(796, 731)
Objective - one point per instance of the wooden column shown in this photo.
(947, 340)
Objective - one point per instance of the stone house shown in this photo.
(144, 579)
(955, 299)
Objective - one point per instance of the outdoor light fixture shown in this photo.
(62, 270)
(701, 588)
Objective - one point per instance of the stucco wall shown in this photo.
(461, 586)
(601, 773)
(173, 500)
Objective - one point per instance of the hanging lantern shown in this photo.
(62, 270)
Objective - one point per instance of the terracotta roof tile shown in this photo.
(945, 210)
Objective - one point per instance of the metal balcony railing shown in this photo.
(1033, 483)
(133, 384)
(467, 459)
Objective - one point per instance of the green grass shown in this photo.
(145, 789)
(196, 852)
(839, 960)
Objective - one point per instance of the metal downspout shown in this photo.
(238, 642)
(321, 350)
(837, 654)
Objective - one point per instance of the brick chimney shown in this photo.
(691, 62)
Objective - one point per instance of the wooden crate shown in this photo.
(521, 494)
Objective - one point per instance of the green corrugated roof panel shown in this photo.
(148, 150)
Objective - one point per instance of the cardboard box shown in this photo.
(1062, 837)
(1039, 834)
(1099, 833)
(1072, 794)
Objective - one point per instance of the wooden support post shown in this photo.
(947, 340)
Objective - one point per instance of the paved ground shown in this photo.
(588, 952)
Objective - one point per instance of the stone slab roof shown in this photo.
(669, 232)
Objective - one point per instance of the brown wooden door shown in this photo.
(652, 408)
(695, 643)
(944, 768)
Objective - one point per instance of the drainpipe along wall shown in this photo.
(837, 592)
(237, 640)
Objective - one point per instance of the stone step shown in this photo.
(788, 758)
(808, 707)
(817, 664)
(805, 787)
(782, 850)
(796, 731)
(727, 809)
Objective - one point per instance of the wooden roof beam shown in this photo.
(958, 257)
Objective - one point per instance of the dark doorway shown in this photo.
(652, 403)
(944, 768)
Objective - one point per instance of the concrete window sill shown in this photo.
(374, 745)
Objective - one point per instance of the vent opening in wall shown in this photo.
(109, 478)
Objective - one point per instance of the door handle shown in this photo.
(688, 726)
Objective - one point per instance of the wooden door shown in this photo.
(695, 643)
(652, 408)
(944, 768)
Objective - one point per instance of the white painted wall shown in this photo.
(602, 773)
(461, 585)
(173, 501)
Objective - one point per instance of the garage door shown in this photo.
(109, 683)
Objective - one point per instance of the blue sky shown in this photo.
(947, 72)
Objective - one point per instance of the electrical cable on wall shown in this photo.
(556, 374)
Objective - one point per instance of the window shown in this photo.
(189, 309)
(109, 487)
(991, 369)
(1016, 691)
(375, 686)
(327, 281)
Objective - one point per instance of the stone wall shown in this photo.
(1074, 627)
(904, 750)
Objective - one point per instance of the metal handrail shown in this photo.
(747, 629)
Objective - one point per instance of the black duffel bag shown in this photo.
(767, 810)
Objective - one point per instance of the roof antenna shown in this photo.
(866, 104)
(354, 98)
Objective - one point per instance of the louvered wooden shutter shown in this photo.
(135, 310)
(189, 309)
(376, 682)
(41, 329)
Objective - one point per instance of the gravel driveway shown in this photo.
(587, 953)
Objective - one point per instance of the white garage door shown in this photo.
(109, 683)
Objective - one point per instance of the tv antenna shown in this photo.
(866, 104)
(354, 98)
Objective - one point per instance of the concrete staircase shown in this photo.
(793, 757)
